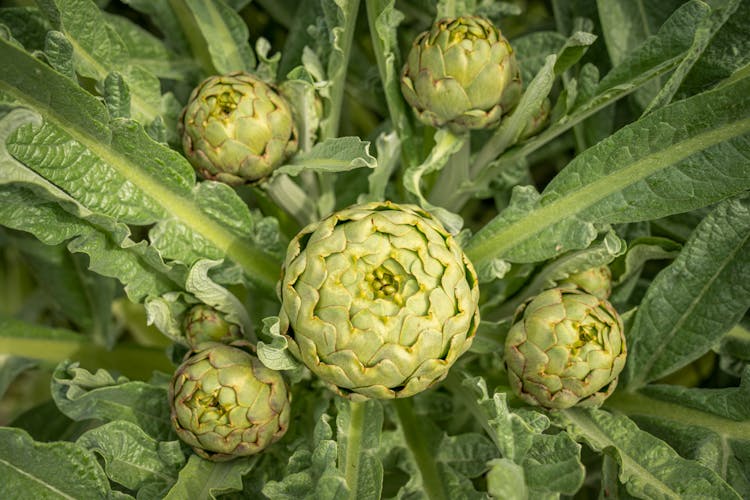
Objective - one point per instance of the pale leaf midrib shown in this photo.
(581, 199)
(255, 263)
(35, 479)
(233, 57)
(603, 440)
(677, 327)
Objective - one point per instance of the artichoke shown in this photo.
(225, 403)
(565, 348)
(378, 300)
(595, 280)
(204, 324)
(236, 129)
(461, 74)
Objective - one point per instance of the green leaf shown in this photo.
(707, 425)
(84, 297)
(217, 35)
(694, 301)
(506, 480)
(205, 479)
(333, 155)
(48, 470)
(132, 458)
(11, 367)
(695, 161)
(159, 182)
(648, 466)
(82, 395)
(384, 19)
(98, 50)
(467, 454)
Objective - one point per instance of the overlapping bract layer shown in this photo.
(595, 280)
(237, 129)
(378, 300)
(565, 348)
(461, 74)
(225, 403)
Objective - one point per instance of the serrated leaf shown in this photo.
(44, 470)
(122, 154)
(205, 479)
(694, 301)
(333, 155)
(215, 28)
(696, 161)
(82, 395)
(132, 458)
(648, 466)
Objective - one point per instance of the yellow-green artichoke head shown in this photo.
(225, 403)
(236, 129)
(461, 74)
(378, 300)
(565, 348)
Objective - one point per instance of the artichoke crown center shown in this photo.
(226, 103)
(385, 285)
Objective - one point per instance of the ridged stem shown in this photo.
(415, 439)
(354, 446)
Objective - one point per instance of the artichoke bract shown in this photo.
(236, 129)
(565, 348)
(225, 403)
(378, 300)
(204, 324)
(461, 74)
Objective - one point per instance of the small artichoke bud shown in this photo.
(204, 324)
(378, 300)
(596, 281)
(225, 403)
(461, 74)
(236, 129)
(565, 348)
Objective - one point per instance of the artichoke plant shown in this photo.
(225, 403)
(595, 280)
(378, 300)
(236, 129)
(462, 74)
(204, 324)
(565, 348)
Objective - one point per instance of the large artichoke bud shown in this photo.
(237, 129)
(565, 348)
(378, 300)
(461, 74)
(225, 403)
(205, 324)
(595, 280)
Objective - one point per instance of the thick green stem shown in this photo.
(289, 196)
(354, 446)
(455, 173)
(396, 108)
(330, 127)
(415, 439)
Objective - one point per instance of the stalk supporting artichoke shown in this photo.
(565, 348)
(236, 129)
(596, 281)
(461, 74)
(378, 300)
(226, 404)
(204, 324)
